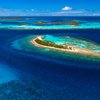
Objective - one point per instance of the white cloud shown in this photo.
(69, 12)
(67, 8)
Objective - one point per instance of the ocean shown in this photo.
(47, 75)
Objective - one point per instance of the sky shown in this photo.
(49, 7)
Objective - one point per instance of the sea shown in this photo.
(47, 75)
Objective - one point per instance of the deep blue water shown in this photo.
(39, 77)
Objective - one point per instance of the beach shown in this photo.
(74, 50)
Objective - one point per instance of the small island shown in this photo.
(11, 18)
(68, 47)
(41, 22)
(72, 23)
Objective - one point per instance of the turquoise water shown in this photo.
(82, 26)
(74, 41)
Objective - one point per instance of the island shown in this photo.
(72, 23)
(11, 18)
(41, 22)
(67, 45)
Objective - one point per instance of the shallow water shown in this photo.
(82, 43)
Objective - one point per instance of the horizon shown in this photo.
(50, 16)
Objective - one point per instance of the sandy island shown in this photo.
(74, 49)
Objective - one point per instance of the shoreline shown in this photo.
(75, 50)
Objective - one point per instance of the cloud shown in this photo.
(69, 12)
(67, 8)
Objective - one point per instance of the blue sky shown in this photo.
(49, 7)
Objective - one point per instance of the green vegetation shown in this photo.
(46, 43)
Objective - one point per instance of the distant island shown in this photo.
(73, 23)
(11, 18)
(32, 23)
